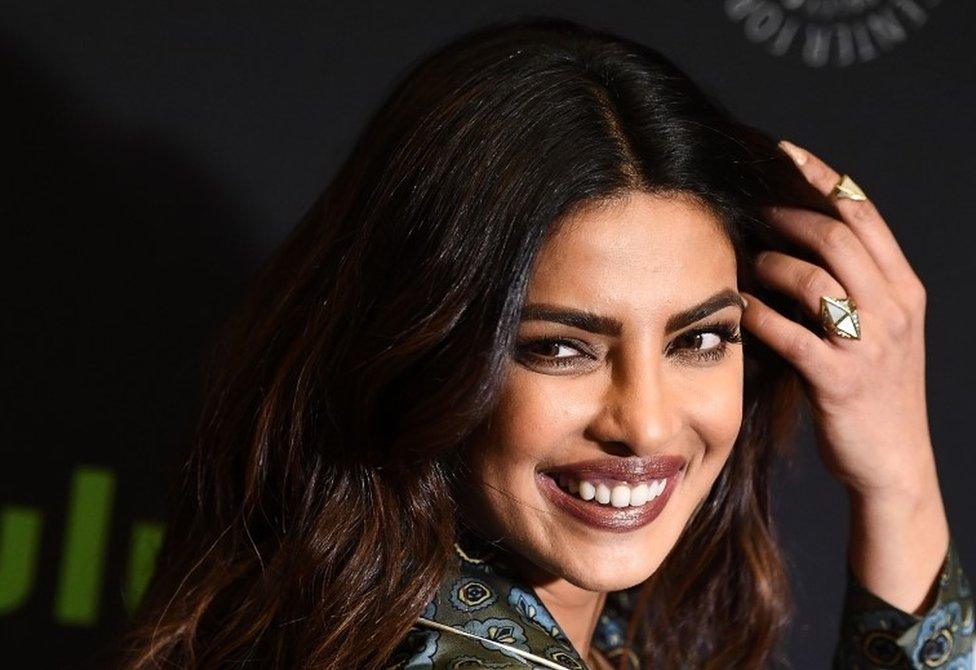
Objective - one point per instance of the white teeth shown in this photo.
(638, 495)
(586, 490)
(621, 495)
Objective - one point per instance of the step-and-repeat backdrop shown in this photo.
(155, 155)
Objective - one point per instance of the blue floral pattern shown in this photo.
(470, 595)
(533, 612)
(504, 631)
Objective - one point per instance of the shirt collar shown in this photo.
(482, 596)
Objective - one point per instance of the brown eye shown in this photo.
(710, 342)
(551, 352)
(551, 348)
(705, 341)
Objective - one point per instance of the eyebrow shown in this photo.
(606, 325)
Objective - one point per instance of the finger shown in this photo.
(797, 344)
(838, 247)
(803, 281)
(861, 215)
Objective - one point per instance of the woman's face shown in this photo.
(662, 399)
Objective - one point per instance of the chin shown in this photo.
(609, 569)
(606, 578)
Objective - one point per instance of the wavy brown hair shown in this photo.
(314, 516)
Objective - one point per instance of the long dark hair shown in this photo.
(314, 516)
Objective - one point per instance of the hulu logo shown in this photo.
(83, 552)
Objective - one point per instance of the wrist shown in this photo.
(898, 540)
(908, 490)
(896, 516)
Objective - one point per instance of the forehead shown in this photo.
(644, 253)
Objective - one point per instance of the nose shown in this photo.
(639, 410)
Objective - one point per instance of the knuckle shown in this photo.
(900, 321)
(873, 353)
(815, 281)
(800, 347)
(837, 236)
(917, 293)
(820, 171)
(864, 211)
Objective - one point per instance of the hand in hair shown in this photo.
(867, 396)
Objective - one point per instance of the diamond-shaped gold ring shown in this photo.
(839, 316)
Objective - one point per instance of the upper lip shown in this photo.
(631, 468)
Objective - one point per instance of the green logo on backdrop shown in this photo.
(83, 551)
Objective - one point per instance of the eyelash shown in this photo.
(727, 331)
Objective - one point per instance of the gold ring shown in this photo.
(846, 188)
(839, 316)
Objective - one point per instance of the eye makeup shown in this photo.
(529, 350)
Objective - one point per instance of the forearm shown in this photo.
(898, 541)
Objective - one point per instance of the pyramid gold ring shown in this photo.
(846, 188)
(839, 317)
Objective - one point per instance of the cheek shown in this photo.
(721, 418)
(531, 419)
(715, 413)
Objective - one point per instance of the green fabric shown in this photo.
(483, 596)
(876, 634)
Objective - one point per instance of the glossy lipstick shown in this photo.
(611, 471)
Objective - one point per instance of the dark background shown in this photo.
(154, 154)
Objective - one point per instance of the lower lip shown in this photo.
(606, 517)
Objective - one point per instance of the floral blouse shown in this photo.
(484, 616)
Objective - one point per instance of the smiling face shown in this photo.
(633, 389)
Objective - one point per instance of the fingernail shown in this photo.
(745, 301)
(798, 155)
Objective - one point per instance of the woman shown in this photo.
(511, 393)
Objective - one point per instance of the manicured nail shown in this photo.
(798, 155)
